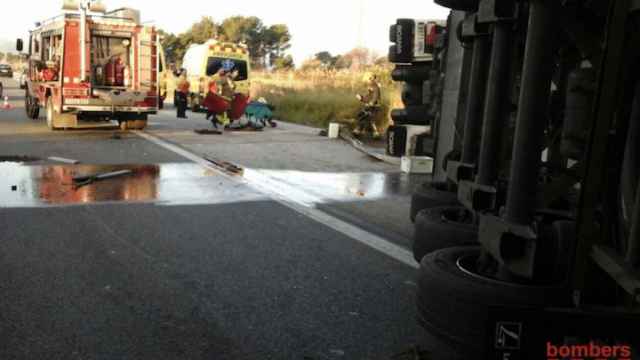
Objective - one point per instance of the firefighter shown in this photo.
(371, 106)
(233, 76)
(224, 85)
(181, 93)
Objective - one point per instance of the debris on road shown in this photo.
(18, 158)
(116, 136)
(226, 166)
(208, 132)
(89, 179)
(63, 160)
(346, 135)
(337, 352)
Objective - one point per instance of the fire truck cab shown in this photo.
(89, 65)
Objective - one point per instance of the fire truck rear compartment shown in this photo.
(111, 61)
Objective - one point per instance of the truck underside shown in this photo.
(535, 200)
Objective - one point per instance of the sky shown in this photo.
(336, 26)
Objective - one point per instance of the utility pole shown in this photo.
(360, 23)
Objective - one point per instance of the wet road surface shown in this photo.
(176, 261)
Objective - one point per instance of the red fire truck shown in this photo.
(88, 65)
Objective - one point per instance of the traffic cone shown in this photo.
(6, 105)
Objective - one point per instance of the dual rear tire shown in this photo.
(133, 124)
(441, 227)
(454, 300)
(31, 106)
(431, 194)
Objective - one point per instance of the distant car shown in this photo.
(5, 70)
(22, 79)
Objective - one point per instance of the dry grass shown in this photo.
(317, 98)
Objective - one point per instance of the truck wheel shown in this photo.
(431, 194)
(462, 5)
(139, 124)
(51, 114)
(31, 106)
(453, 300)
(443, 227)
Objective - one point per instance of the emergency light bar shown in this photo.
(76, 5)
(71, 5)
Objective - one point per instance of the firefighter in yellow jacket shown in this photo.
(371, 106)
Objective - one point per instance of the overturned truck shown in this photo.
(88, 65)
(528, 236)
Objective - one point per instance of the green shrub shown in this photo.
(318, 98)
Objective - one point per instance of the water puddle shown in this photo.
(32, 186)
(22, 185)
(312, 188)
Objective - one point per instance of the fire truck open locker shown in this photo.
(88, 65)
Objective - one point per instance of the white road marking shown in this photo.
(299, 203)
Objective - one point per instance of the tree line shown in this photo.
(355, 59)
(10, 57)
(267, 44)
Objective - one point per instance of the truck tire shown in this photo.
(443, 227)
(453, 300)
(462, 5)
(139, 124)
(31, 106)
(51, 114)
(431, 194)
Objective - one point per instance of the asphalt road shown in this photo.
(177, 261)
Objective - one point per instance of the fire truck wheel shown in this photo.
(51, 114)
(139, 124)
(453, 300)
(462, 5)
(31, 106)
(443, 227)
(431, 194)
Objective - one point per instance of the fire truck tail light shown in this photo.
(432, 34)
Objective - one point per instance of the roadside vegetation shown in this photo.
(319, 96)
